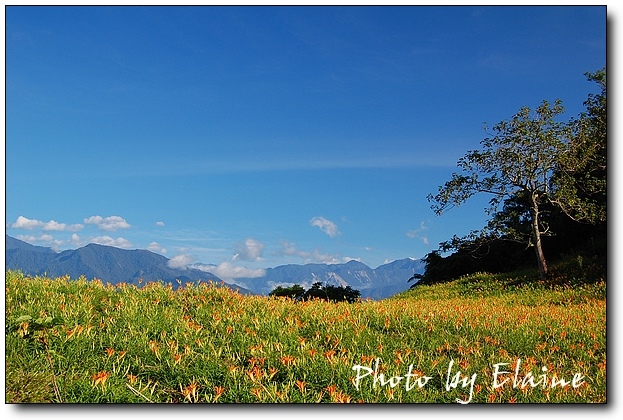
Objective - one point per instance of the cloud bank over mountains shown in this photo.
(229, 259)
(110, 224)
(229, 272)
(30, 224)
(104, 224)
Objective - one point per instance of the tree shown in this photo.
(295, 292)
(518, 160)
(582, 173)
(491, 255)
(342, 294)
(332, 293)
(318, 291)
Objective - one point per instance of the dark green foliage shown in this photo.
(332, 293)
(318, 291)
(546, 175)
(295, 292)
(496, 256)
(475, 253)
(582, 173)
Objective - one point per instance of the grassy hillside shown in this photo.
(478, 339)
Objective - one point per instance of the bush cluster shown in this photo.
(318, 291)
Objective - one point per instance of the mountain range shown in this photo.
(114, 265)
(109, 264)
(379, 283)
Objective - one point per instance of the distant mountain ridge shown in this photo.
(381, 282)
(116, 265)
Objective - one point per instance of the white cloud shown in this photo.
(315, 256)
(45, 240)
(155, 247)
(75, 239)
(26, 223)
(93, 220)
(159, 223)
(53, 225)
(417, 233)
(326, 225)
(110, 223)
(30, 224)
(288, 248)
(249, 250)
(108, 241)
(227, 271)
(27, 238)
(180, 261)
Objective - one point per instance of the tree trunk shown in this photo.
(536, 234)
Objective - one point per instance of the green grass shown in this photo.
(74, 340)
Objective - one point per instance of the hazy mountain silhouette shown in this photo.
(381, 282)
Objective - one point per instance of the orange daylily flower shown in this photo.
(100, 378)
(287, 360)
(301, 385)
(332, 389)
(340, 397)
(190, 391)
(329, 355)
(218, 391)
(257, 392)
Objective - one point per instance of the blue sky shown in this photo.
(242, 138)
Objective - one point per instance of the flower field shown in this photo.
(478, 339)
